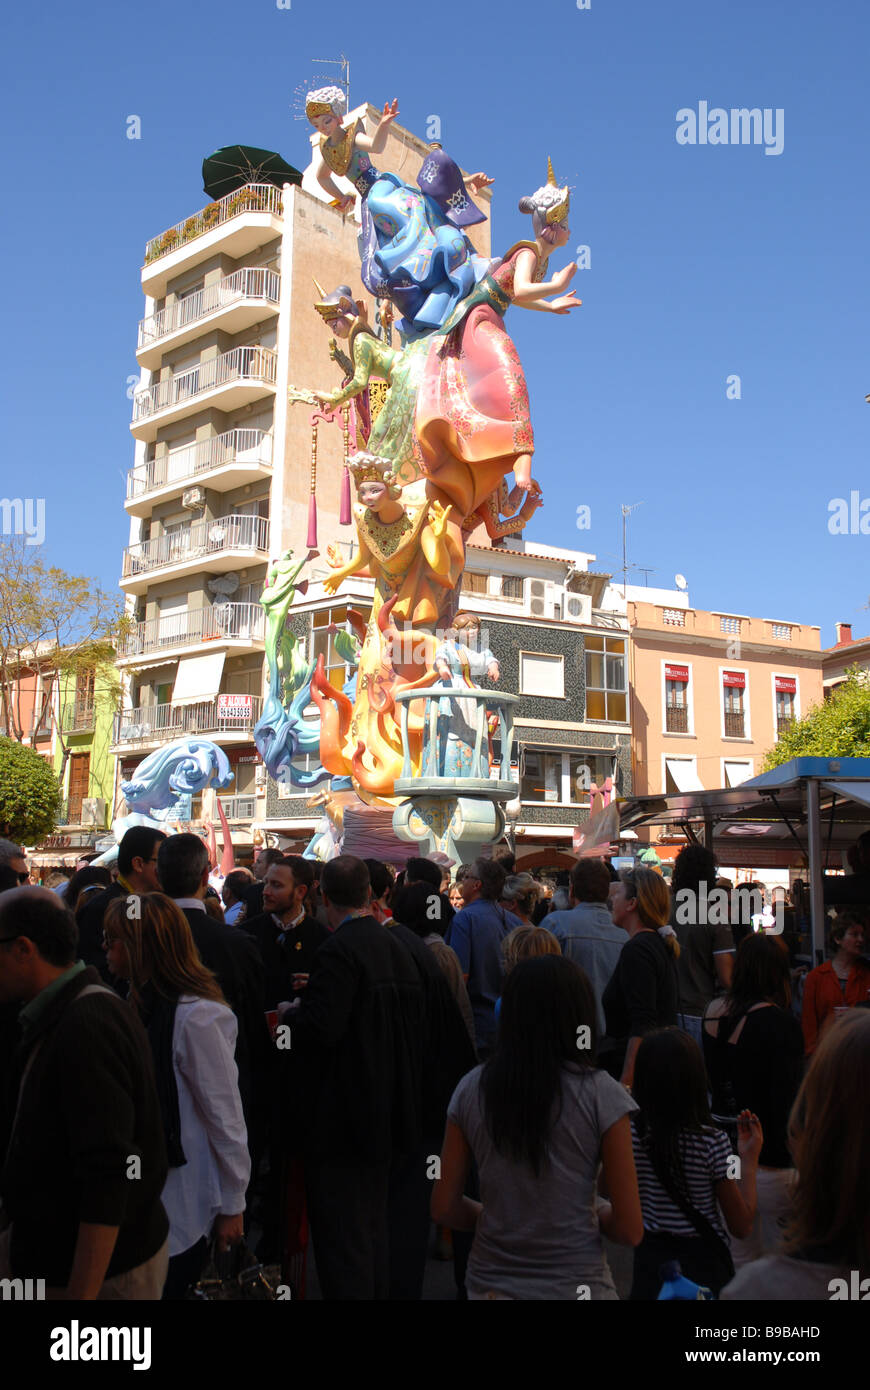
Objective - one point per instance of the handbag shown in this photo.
(705, 1258)
(234, 1276)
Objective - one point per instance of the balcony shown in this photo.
(228, 460)
(677, 719)
(237, 223)
(233, 304)
(734, 726)
(152, 725)
(227, 382)
(783, 724)
(214, 546)
(239, 807)
(225, 624)
(78, 718)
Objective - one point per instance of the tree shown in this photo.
(29, 794)
(837, 728)
(60, 625)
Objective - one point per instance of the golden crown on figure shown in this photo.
(556, 211)
(371, 468)
(336, 305)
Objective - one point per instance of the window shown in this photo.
(605, 678)
(583, 770)
(781, 631)
(324, 643)
(512, 586)
(733, 685)
(729, 625)
(674, 617)
(541, 777)
(676, 699)
(785, 691)
(473, 583)
(542, 675)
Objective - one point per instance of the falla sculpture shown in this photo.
(445, 424)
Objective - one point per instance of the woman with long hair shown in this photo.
(642, 992)
(685, 1169)
(826, 1246)
(841, 982)
(192, 1032)
(539, 1120)
(753, 1049)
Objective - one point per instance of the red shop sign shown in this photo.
(676, 673)
(787, 684)
(735, 678)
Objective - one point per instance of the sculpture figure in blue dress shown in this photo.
(458, 662)
(412, 245)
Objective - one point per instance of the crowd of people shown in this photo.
(359, 1054)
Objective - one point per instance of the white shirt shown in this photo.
(215, 1177)
(231, 914)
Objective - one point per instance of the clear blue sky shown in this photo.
(705, 260)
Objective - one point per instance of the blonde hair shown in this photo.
(523, 890)
(829, 1137)
(160, 949)
(653, 903)
(524, 942)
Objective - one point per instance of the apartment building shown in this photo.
(847, 651)
(221, 477)
(712, 691)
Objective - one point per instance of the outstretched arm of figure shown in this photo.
(357, 562)
(375, 144)
(563, 305)
(441, 551)
(364, 364)
(344, 201)
(525, 288)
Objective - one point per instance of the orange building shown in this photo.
(711, 693)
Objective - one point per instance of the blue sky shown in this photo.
(706, 261)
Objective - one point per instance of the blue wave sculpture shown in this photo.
(187, 766)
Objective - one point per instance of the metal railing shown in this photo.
(254, 197)
(734, 724)
(253, 363)
(236, 622)
(159, 722)
(434, 746)
(677, 719)
(233, 446)
(200, 539)
(78, 717)
(62, 817)
(253, 282)
(239, 807)
(783, 724)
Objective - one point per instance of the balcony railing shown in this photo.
(234, 622)
(239, 364)
(254, 197)
(194, 542)
(78, 718)
(734, 724)
(677, 719)
(234, 446)
(153, 723)
(239, 807)
(783, 724)
(62, 817)
(253, 282)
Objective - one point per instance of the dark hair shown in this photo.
(9, 850)
(492, 878)
(423, 871)
(345, 881)
(590, 881)
(694, 865)
(90, 877)
(858, 854)
(301, 868)
(181, 862)
(419, 906)
(545, 1000)
(761, 971)
(670, 1086)
(138, 843)
(504, 855)
(380, 877)
(8, 878)
(238, 881)
(846, 917)
(39, 914)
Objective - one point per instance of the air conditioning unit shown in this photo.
(94, 811)
(193, 498)
(544, 598)
(260, 775)
(578, 607)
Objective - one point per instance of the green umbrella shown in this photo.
(235, 165)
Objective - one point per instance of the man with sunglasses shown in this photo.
(12, 857)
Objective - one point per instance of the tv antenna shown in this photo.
(344, 64)
(626, 513)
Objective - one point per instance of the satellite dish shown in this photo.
(680, 581)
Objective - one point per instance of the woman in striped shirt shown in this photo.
(692, 1190)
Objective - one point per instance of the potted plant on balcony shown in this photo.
(191, 228)
(211, 215)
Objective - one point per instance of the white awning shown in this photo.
(684, 775)
(737, 773)
(198, 678)
(853, 791)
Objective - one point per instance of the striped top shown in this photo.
(704, 1158)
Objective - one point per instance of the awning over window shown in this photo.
(734, 678)
(685, 777)
(786, 684)
(676, 673)
(737, 773)
(198, 678)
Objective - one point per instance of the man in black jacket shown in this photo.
(287, 936)
(85, 1160)
(357, 1037)
(137, 873)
